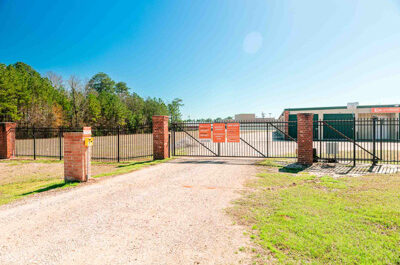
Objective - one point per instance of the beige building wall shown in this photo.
(245, 117)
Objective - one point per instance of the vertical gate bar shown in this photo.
(34, 143)
(118, 155)
(354, 141)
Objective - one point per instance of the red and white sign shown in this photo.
(219, 132)
(205, 132)
(386, 110)
(233, 132)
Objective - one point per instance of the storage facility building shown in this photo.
(387, 124)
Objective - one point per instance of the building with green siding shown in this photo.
(341, 118)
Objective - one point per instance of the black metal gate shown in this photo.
(358, 140)
(257, 139)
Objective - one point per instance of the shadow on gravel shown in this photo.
(292, 168)
(135, 163)
(52, 187)
(217, 161)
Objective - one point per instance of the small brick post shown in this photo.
(160, 137)
(305, 138)
(7, 139)
(76, 156)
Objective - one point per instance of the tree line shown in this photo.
(31, 99)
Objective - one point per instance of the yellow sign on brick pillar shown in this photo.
(88, 141)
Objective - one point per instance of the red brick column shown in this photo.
(286, 118)
(76, 161)
(160, 137)
(305, 138)
(7, 139)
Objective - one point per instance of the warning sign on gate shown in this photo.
(233, 132)
(205, 132)
(219, 132)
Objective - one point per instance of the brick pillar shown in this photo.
(76, 161)
(160, 137)
(286, 118)
(7, 139)
(305, 138)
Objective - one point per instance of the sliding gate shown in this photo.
(256, 139)
(358, 140)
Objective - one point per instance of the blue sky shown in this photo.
(221, 57)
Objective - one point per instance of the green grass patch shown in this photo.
(132, 166)
(16, 162)
(304, 219)
(13, 191)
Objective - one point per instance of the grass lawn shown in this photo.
(19, 178)
(304, 219)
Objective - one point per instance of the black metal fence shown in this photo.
(110, 144)
(257, 139)
(375, 140)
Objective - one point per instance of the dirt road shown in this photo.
(172, 213)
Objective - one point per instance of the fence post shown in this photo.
(169, 145)
(173, 138)
(267, 140)
(354, 141)
(7, 139)
(60, 134)
(374, 140)
(381, 138)
(305, 138)
(34, 142)
(118, 144)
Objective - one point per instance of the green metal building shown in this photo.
(342, 119)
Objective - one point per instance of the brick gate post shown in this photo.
(160, 137)
(286, 119)
(76, 157)
(305, 138)
(7, 139)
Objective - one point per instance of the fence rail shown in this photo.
(110, 144)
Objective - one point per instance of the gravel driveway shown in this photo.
(172, 213)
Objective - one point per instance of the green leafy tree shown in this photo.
(101, 82)
(174, 109)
